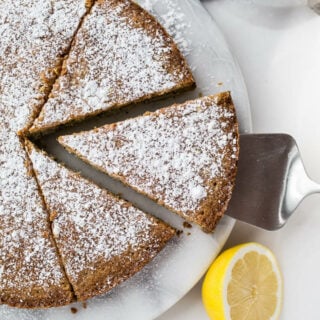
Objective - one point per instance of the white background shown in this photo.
(278, 49)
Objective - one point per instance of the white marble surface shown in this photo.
(279, 52)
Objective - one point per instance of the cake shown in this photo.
(63, 238)
(102, 239)
(183, 156)
(35, 36)
(31, 273)
(121, 55)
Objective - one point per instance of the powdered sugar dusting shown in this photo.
(91, 224)
(121, 55)
(170, 155)
(173, 19)
(34, 35)
(28, 258)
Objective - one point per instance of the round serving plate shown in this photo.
(185, 259)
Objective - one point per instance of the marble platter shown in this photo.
(184, 261)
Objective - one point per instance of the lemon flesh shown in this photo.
(243, 283)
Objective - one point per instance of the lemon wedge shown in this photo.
(243, 283)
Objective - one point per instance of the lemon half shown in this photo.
(243, 283)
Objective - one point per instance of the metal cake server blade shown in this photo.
(271, 181)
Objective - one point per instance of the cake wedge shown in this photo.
(31, 273)
(121, 55)
(183, 156)
(102, 239)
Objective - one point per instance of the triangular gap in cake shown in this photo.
(121, 56)
(31, 275)
(103, 240)
(35, 36)
(183, 156)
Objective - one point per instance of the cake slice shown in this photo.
(121, 55)
(102, 239)
(31, 273)
(35, 35)
(184, 156)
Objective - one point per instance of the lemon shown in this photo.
(243, 283)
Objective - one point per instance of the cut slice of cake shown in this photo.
(31, 274)
(35, 35)
(121, 55)
(184, 156)
(102, 239)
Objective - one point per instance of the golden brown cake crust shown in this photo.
(183, 156)
(121, 56)
(38, 298)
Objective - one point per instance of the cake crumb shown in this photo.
(84, 305)
(179, 232)
(74, 310)
(187, 225)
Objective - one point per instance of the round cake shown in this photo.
(62, 237)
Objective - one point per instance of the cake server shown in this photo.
(271, 181)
